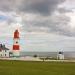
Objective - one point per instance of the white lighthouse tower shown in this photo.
(60, 56)
(16, 46)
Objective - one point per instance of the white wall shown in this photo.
(1, 54)
(16, 52)
(4, 53)
(60, 56)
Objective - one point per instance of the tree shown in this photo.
(35, 56)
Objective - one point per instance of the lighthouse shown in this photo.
(16, 46)
(60, 56)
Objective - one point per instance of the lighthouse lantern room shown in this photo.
(16, 46)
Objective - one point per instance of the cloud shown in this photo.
(5, 5)
(46, 25)
(9, 5)
(28, 11)
(56, 24)
(63, 10)
(43, 7)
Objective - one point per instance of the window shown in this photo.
(1, 54)
(5, 51)
(5, 54)
(16, 42)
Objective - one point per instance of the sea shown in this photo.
(67, 54)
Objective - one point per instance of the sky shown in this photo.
(44, 25)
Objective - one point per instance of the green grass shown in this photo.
(36, 68)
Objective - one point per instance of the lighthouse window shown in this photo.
(16, 42)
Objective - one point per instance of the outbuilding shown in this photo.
(4, 52)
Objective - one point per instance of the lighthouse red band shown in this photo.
(16, 34)
(16, 47)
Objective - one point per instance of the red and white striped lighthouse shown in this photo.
(16, 46)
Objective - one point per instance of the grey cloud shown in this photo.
(63, 10)
(5, 5)
(9, 5)
(44, 7)
(58, 25)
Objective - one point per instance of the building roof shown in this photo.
(2, 47)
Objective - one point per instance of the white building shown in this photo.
(60, 56)
(4, 52)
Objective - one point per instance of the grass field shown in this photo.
(36, 68)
